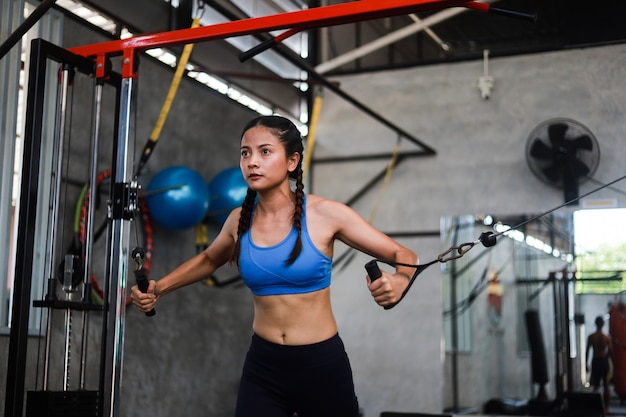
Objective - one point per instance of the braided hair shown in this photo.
(290, 137)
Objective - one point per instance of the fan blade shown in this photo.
(579, 168)
(556, 134)
(540, 150)
(582, 142)
(554, 172)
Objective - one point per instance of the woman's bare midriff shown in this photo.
(294, 319)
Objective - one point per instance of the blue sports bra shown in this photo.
(264, 271)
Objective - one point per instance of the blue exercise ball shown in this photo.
(178, 198)
(228, 190)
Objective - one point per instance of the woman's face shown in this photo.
(263, 161)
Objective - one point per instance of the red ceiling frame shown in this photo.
(298, 20)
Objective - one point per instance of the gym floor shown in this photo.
(617, 407)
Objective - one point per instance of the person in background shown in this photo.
(600, 362)
(282, 241)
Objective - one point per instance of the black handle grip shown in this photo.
(373, 270)
(142, 284)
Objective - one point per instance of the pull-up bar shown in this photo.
(298, 20)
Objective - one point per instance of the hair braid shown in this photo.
(245, 219)
(297, 215)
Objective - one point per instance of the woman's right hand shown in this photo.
(145, 301)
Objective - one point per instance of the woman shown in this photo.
(282, 242)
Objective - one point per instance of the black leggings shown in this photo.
(311, 380)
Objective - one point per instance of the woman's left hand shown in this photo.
(387, 290)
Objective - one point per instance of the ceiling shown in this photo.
(457, 34)
(560, 24)
(380, 44)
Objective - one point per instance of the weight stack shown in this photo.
(62, 404)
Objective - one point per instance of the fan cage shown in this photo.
(574, 130)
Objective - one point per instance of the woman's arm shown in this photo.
(192, 270)
(356, 232)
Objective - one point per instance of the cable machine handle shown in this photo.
(373, 270)
(142, 284)
(140, 275)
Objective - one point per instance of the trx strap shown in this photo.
(310, 143)
(178, 75)
(381, 193)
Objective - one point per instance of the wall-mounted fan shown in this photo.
(563, 153)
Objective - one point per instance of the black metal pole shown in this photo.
(25, 26)
(22, 284)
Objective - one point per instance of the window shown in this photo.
(13, 90)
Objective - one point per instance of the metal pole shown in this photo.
(25, 26)
(93, 175)
(18, 340)
(54, 209)
(119, 238)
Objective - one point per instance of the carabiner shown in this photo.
(461, 250)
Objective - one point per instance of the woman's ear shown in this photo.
(293, 161)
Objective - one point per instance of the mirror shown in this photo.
(566, 267)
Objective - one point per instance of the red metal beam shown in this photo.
(302, 20)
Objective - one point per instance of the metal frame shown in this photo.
(41, 53)
(303, 20)
(9, 83)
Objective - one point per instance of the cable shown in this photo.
(86, 198)
(487, 239)
(617, 190)
(567, 203)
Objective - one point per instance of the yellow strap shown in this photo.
(392, 163)
(202, 236)
(178, 75)
(310, 143)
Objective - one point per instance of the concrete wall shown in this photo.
(480, 167)
(186, 360)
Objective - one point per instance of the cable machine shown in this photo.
(95, 61)
(70, 274)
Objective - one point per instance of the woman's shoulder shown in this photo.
(317, 202)
(316, 205)
(232, 222)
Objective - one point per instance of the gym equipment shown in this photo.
(487, 239)
(617, 330)
(165, 110)
(177, 197)
(87, 235)
(584, 404)
(140, 274)
(539, 365)
(508, 407)
(228, 190)
(310, 142)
